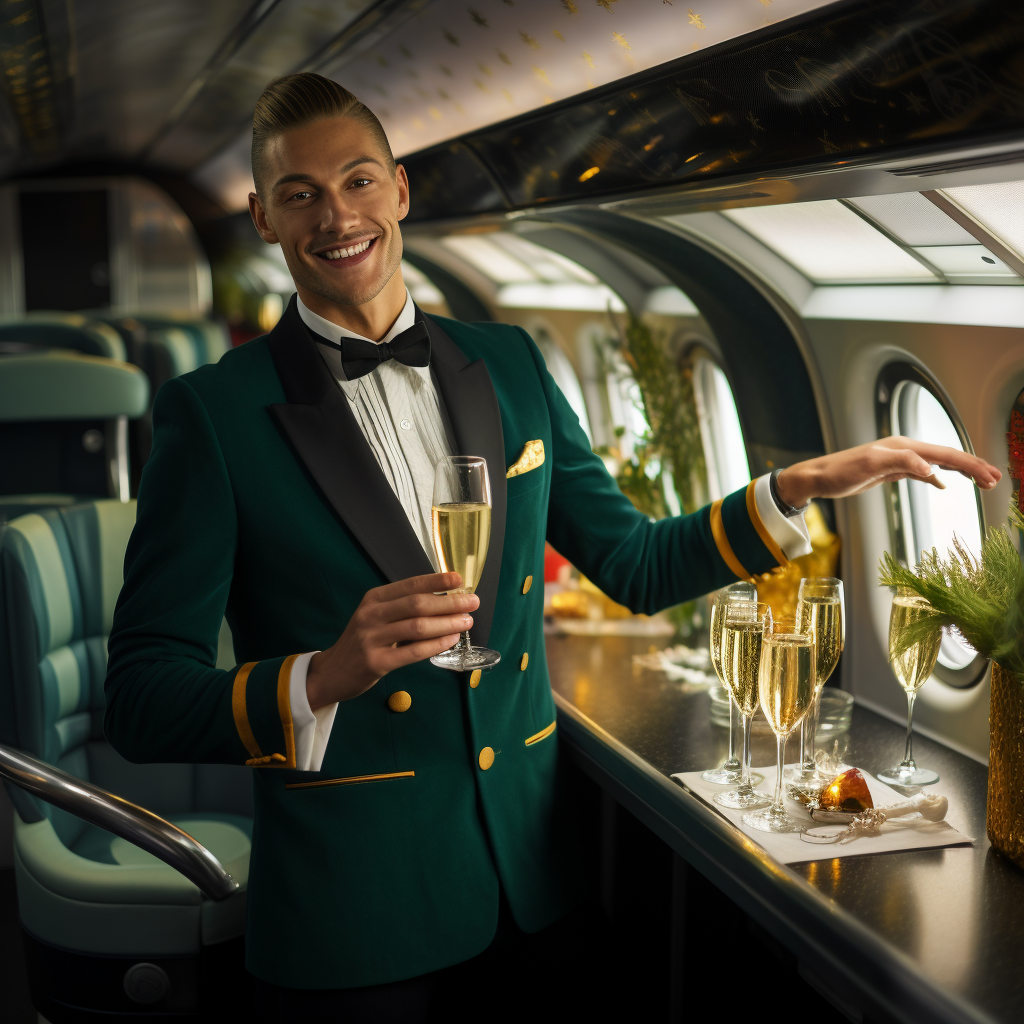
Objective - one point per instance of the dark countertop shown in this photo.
(937, 931)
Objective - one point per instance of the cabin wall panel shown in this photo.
(981, 368)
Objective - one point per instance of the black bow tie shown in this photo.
(358, 357)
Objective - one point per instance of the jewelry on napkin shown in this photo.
(924, 806)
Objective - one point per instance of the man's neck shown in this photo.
(372, 319)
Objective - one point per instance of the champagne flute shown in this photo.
(730, 771)
(911, 669)
(743, 628)
(786, 689)
(820, 611)
(461, 517)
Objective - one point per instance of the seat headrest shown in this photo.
(61, 385)
(61, 330)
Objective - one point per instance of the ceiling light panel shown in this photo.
(830, 244)
(913, 219)
(490, 259)
(547, 265)
(998, 208)
(966, 261)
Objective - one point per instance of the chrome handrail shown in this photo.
(126, 820)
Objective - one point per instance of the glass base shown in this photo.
(723, 776)
(467, 659)
(908, 775)
(740, 800)
(806, 780)
(772, 819)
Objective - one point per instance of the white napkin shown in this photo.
(789, 848)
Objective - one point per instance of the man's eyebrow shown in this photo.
(300, 176)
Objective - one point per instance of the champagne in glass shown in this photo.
(461, 516)
(821, 612)
(911, 668)
(786, 687)
(743, 628)
(730, 771)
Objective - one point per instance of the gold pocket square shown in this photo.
(531, 457)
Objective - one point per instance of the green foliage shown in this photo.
(668, 404)
(982, 599)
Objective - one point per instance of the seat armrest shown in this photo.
(124, 819)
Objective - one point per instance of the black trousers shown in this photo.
(501, 983)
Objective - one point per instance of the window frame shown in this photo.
(897, 496)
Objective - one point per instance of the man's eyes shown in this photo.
(361, 182)
(301, 195)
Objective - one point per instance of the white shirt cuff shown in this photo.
(789, 533)
(312, 728)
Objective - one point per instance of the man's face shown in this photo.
(332, 203)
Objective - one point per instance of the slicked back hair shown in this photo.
(295, 101)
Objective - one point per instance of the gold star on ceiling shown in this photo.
(764, 3)
(503, 58)
(589, 59)
(477, 17)
(443, 95)
(916, 104)
(507, 95)
(695, 19)
(621, 40)
(570, 7)
(451, 39)
(529, 40)
(754, 122)
(606, 4)
(405, 51)
(483, 67)
(541, 74)
(557, 34)
(382, 60)
(434, 113)
(480, 85)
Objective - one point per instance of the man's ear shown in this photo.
(403, 192)
(259, 218)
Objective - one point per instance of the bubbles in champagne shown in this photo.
(786, 680)
(462, 531)
(741, 655)
(823, 619)
(917, 663)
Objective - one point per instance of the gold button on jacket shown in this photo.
(400, 701)
(474, 678)
(527, 583)
(523, 662)
(486, 758)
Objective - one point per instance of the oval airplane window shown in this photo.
(924, 516)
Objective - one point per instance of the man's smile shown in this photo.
(350, 255)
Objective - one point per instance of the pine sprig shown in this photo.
(982, 599)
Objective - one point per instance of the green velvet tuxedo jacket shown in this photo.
(263, 501)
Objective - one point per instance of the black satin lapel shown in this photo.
(327, 440)
(475, 417)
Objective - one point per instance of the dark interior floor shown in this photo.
(17, 1007)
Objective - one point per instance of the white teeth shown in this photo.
(352, 250)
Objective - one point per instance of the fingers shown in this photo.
(398, 657)
(431, 584)
(983, 473)
(415, 630)
(414, 606)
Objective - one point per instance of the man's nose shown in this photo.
(336, 214)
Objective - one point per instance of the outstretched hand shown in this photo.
(892, 458)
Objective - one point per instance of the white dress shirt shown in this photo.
(399, 414)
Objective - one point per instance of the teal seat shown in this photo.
(208, 339)
(81, 891)
(64, 428)
(44, 330)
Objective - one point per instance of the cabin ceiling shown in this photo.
(172, 83)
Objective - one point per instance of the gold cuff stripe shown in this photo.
(723, 545)
(241, 714)
(542, 735)
(762, 531)
(258, 762)
(284, 708)
(352, 780)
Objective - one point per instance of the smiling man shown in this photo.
(405, 815)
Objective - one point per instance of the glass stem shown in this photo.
(733, 762)
(908, 757)
(745, 787)
(780, 758)
(803, 744)
(808, 734)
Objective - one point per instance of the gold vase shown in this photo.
(1006, 765)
